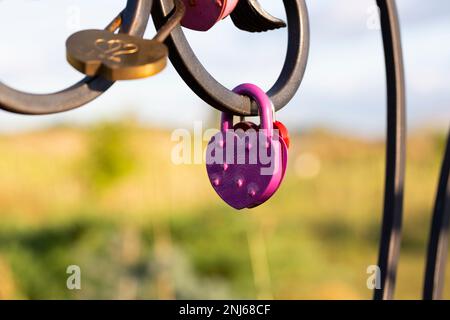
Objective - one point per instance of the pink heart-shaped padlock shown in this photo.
(202, 15)
(246, 169)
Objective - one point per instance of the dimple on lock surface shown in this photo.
(247, 172)
(202, 15)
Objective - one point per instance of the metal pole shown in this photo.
(395, 151)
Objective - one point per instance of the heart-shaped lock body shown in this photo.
(277, 125)
(247, 169)
(279, 128)
(202, 15)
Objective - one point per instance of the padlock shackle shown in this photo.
(226, 122)
(262, 100)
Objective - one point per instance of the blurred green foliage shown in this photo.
(109, 157)
(109, 200)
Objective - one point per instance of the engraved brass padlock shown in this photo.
(117, 56)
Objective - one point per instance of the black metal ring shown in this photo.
(134, 21)
(221, 98)
(395, 150)
(438, 241)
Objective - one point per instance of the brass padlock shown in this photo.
(117, 56)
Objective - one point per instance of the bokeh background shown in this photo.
(96, 187)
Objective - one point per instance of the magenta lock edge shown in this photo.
(202, 15)
(222, 180)
(266, 113)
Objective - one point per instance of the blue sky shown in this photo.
(343, 89)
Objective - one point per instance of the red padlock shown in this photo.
(283, 132)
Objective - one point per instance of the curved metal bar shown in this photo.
(134, 20)
(395, 151)
(216, 95)
(438, 242)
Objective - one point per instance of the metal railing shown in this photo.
(134, 20)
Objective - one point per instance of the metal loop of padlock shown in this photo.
(120, 56)
(247, 125)
(234, 163)
(133, 20)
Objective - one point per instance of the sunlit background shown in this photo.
(96, 187)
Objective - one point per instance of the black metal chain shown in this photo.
(134, 20)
